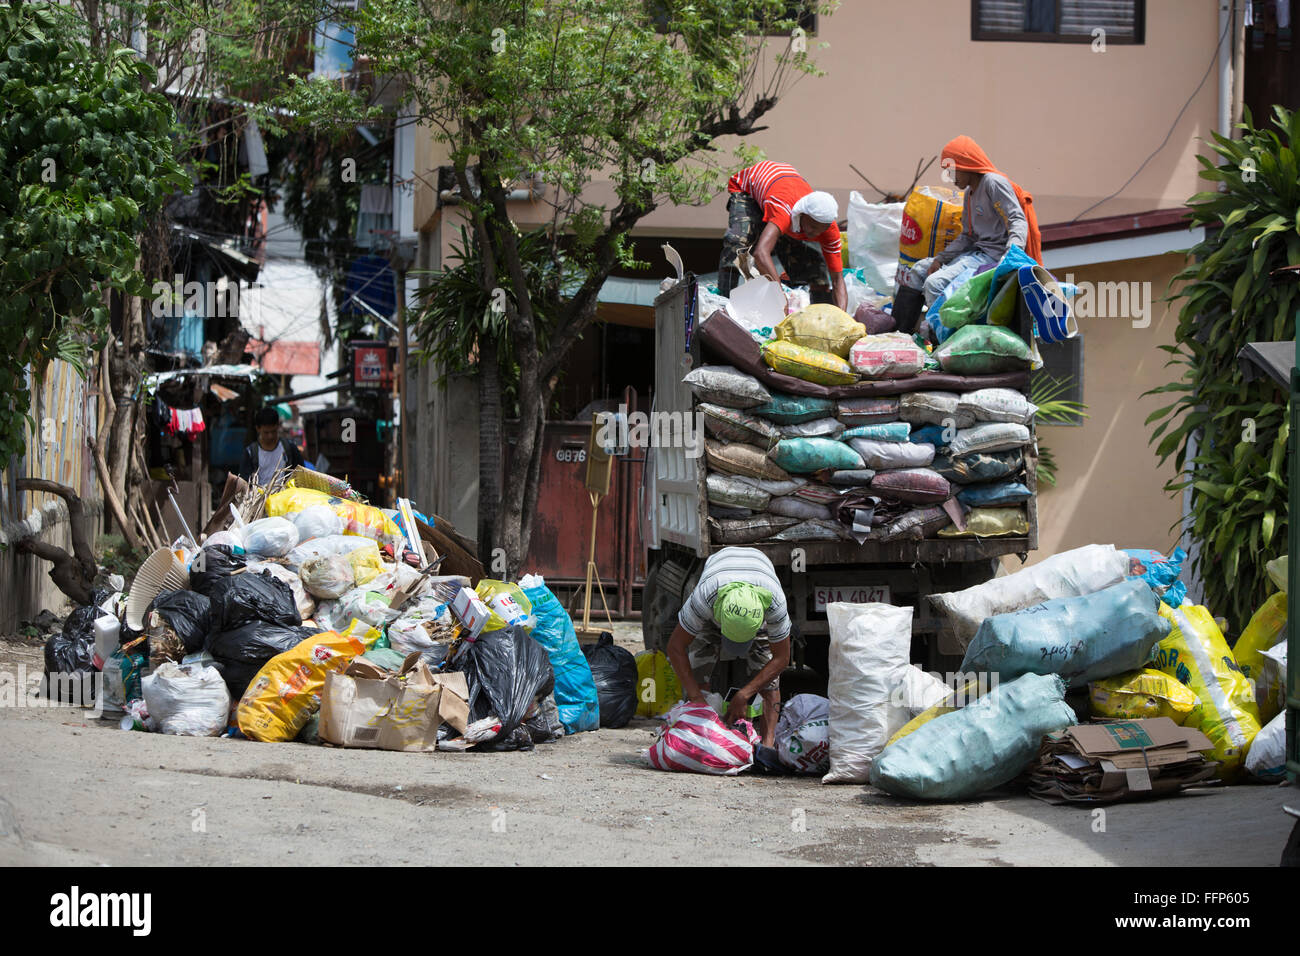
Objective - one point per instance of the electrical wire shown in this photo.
(1165, 141)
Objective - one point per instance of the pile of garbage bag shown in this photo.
(315, 623)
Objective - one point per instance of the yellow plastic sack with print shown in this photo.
(1196, 654)
(811, 365)
(1267, 628)
(822, 326)
(366, 521)
(657, 686)
(931, 220)
(1139, 694)
(508, 604)
(956, 700)
(292, 500)
(286, 691)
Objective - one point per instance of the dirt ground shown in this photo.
(75, 790)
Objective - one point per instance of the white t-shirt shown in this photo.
(268, 463)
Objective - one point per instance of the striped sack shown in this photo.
(695, 739)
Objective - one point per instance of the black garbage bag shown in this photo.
(213, 564)
(245, 598)
(186, 613)
(507, 672)
(241, 651)
(614, 670)
(70, 657)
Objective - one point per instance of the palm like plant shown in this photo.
(1045, 391)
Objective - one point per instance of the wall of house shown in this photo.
(1110, 485)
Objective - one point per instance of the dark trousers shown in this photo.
(802, 261)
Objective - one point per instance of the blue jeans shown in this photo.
(935, 285)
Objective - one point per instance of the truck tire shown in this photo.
(661, 599)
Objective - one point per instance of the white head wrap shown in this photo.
(816, 205)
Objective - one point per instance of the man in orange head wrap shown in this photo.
(995, 214)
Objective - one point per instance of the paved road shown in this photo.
(76, 790)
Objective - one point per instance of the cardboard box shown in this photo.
(366, 706)
(470, 611)
(1120, 760)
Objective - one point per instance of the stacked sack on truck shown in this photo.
(922, 463)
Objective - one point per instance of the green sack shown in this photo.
(793, 409)
(803, 456)
(969, 304)
(983, 350)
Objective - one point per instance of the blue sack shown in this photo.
(575, 688)
(931, 435)
(1079, 638)
(803, 456)
(988, 496)
(890, 431)
(984, 745)
(1160, 572)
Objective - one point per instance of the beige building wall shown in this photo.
(1109, 487)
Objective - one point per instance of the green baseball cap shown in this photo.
(739, 610)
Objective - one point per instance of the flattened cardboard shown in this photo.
(1130, 738)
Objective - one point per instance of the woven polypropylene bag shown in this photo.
(696, 740)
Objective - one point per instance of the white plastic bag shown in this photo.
(232, 538)
(1068, 574)
(869, 646)
(874, 232)
(330, 544)
(328, 577)
(270, 537)
(365, 605)
(317, 521)
(803, 734)
(759, 305)
(1266, 758)
(190, 701)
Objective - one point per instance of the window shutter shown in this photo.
(1080, 17)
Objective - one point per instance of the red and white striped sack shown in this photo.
(695, 739)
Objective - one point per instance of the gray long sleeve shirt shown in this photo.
(991, 219)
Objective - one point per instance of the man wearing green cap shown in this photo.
(738, 596)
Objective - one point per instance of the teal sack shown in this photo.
(969, 304)
(794, 409)
(984, 745)
(803, 456)
(892, 431)
(1080, 639)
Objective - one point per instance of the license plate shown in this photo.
(850, 595)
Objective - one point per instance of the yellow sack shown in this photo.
(966, 695)
(931, 220)
(293, 499)
(1277, 572)
(1267, 628)
(990, 523)
(657, 686)
(286, 691)
(822, 326)
(507, 602)
(1139, 694)
(1197, 655)
(811, 365)
(366, 563)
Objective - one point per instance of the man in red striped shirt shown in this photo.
(773, 209)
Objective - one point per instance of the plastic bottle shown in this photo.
(106, 639)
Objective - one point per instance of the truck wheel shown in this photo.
(661, 599)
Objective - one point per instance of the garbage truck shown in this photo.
(675, 529)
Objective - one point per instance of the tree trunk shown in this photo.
(490, 441)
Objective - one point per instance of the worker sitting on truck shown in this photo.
(264, 457)
(995, 213)
(772, 208)
(737, 596)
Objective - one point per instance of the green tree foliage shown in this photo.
(88, 157)
(618, 105)
(1238, 471)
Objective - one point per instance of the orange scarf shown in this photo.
(966, 154)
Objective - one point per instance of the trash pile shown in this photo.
(829, 433)
(319, 618)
